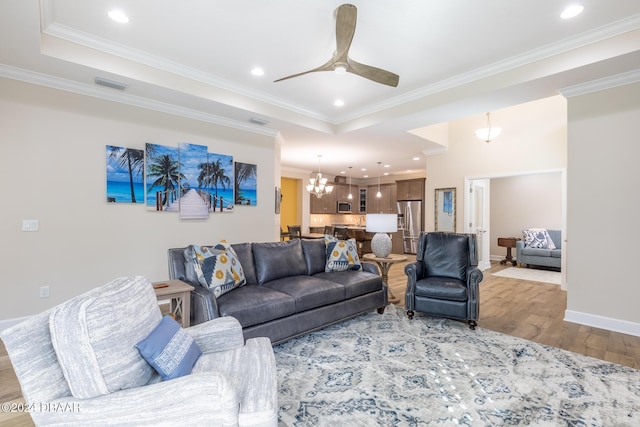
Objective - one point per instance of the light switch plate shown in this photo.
(29, 225)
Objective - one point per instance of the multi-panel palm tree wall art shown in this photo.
(245, 187)
(186, 179)
(125, 178)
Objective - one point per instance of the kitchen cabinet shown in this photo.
(342, 194)
(411, 189)
(324, 205)
(385, 204)
(362, 200)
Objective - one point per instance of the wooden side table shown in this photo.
(384, 264)
(508, 242)
(179, 293)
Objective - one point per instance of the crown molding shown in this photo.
(84, 39)
(601, 84)
(630, 23)
(47, 80)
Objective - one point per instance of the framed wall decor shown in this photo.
(245, 186)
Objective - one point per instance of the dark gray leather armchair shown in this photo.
(444, 279)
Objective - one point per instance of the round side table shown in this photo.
(384, 264)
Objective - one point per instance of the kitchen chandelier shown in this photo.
(318, 185)
(488, 133)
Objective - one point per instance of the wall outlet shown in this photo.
(44, 292)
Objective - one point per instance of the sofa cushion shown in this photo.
(309, 291)
(245, 256)
(94, 336)
(537, 238)
(315, 255)
(342, 255)
(536, 252)
(556, 253)
(169, 349)
(274, 260)
(254, 304)
(217, 267)
(356, 283)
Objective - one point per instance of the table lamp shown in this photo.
(381, 224)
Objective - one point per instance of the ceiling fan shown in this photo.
(345, 28)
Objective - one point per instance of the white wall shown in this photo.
(602, 208)
(53, 170)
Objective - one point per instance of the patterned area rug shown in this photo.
(386, 370)
(533, 274)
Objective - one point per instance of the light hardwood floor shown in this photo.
(530, 310)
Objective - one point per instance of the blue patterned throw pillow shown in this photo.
(218, 267)
(342, 255)
(537, 238)
(169, 349)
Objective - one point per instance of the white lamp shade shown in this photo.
(382, 223)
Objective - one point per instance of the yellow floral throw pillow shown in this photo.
(218, 268)
(342, 255)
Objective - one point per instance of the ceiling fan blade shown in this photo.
(377, 75)
(346, 16)
(327, 66)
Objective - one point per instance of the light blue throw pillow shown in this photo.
(169, 349)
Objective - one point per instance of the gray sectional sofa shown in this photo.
(539, 256)
(287, 291)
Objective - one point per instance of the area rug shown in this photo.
(532, 274)
(385, 370)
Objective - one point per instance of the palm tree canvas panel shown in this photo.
(163, 177)
(125, 176)
(246, 176)
(195, 201)
(216, 180)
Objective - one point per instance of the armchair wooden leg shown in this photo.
(410, 314)
(381, 309)
(473, 324)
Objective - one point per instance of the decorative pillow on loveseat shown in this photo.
(537, 238)
(217, 267)
(342, 255)
(169, 349)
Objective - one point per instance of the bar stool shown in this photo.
(295, 232)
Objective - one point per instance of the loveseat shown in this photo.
(547, 254)
(287, 291)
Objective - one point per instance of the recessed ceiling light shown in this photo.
(386, 166)
(416, 158)
(338, 103)
(257, 72)
(365, 176)
(571, 11)
(363, 169)
(386, 173)
(118, 16)
(342, 172)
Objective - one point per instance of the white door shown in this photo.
(478, 219)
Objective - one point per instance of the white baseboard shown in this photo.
(6, 324)
(615, 325)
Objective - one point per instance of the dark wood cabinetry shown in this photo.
(386, 203)
(342, 194)
(411, 189)
(324, 205)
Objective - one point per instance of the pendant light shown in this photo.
(379, 194)
(488, 133)
(350, 196)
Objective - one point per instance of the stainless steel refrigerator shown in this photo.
(410, 223)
